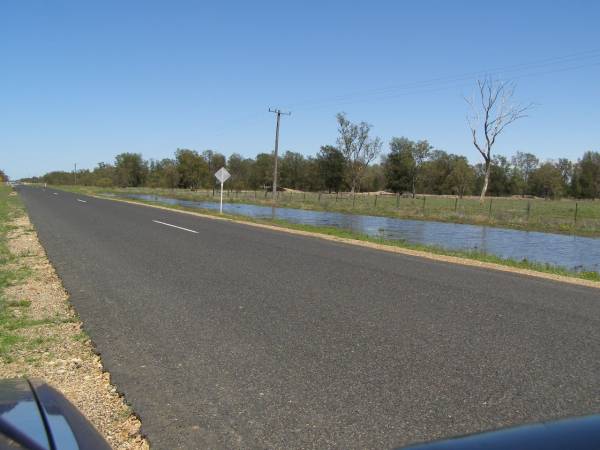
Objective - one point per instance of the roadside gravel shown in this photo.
(52, 345)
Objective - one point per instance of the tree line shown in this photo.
(409, 167)
(349, 165)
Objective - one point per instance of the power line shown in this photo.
(516, 71)
(514, 68)
(424, 90)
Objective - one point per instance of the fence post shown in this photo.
(455, 204)
(424, 200)
(304, 197)
(528, 209)
(490, 212)
(353, 199)
(397, 200)
(375, 201)
(575, 217)
(319, 200)
(336, 196)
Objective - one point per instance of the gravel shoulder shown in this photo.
(45, 339)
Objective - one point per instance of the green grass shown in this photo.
(566, 216)
(12, 271)
(332, 231)
(18, 303)
(82, 336)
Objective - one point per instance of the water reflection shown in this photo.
(572, 252)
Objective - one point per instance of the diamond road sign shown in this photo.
(222, 175)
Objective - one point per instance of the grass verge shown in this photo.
(11, 273)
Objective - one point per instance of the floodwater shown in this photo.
(571, 252)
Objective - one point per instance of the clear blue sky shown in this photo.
(82, 81)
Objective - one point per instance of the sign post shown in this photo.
(222, 175)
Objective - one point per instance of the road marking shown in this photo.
(174, 226)
(82, 201)
(55, 193)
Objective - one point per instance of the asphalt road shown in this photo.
(228, 336)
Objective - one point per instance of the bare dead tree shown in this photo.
(490, 114)
(358, 148)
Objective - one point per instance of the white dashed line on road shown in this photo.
(82, 201)
(175, 226)
(55, 193)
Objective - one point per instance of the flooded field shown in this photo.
(571, 252)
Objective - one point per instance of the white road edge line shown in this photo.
(175, 226)
(55, 193)
(82, 201)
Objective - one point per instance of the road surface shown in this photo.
(223, 335)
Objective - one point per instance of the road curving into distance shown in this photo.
(223, 335)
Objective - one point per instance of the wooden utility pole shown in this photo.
(279, 113)
(75, 174)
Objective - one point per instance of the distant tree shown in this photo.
(461, 179)
(191, 168)
(214, 162)
(241, 171)
(3, 177)
(131, 169)
(399, 165)
(292, 169)
(209, 156)
(500, 176)
(566, 170)
(421, 152)
(153, 177)
(406, 160)
(104, 175)
(104, 182)
(547, 181)
(586, 176)
(358, 148)
(374, 178)
(163, 174)
(524, 164)
(491, 113)
(313, 180)
(332, 167)
(85, 177)
(435, 173)
(170, 174)
(58, 177)
(262, 171)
